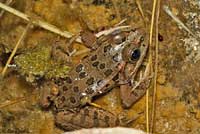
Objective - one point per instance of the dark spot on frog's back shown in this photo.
(68, 80)
(102, 65)
(89, 91)
(108, 72)
(95, 64)
(72, 100)
(90, 81)
(79, 68)
(63, 98)
(65, 88)
(107, 48)
(76, 89)
(93, 58)
(82, 75)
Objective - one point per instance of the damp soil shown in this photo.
(178, 83)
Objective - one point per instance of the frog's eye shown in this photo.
(118, 39)
(135, 54)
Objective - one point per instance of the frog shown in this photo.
(96, 74)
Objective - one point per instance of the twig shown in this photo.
(143, 78)
(178, 21)
(40, 23)
(15, 49)
(106, 32)
(17, 100)
(155, 72)
(8, 2)
(12, 102)
(51, 27)
(121, 22)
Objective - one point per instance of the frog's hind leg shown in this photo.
(87, 117)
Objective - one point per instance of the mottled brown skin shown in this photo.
(87, 117)
(93, 76)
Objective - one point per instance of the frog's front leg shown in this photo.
(48, 92)
(62, 50)
(132, 92)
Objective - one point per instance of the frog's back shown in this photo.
(87, 76)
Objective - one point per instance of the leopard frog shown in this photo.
(96, 74)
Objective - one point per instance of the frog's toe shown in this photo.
(47, 91)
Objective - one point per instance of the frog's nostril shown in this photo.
(142, 39)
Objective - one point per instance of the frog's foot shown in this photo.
(130, 94)
(87, 100)
(145, 80)
(124, 121)
(48, 92)
(87, 117)
(60, 52)
(63, 50)
(89, 39)
(133, 91)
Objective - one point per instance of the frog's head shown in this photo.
(129, 46)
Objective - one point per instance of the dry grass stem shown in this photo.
(178, 21)
(141, 11)
(15, 49)
(12, 102)
(8, 2)
(51, 27)
(39, 23)
(17, 100)
(155, 72)
(150, 62)
(108, 31)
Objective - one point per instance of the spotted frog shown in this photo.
(94, 75)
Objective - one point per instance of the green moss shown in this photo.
(38, 62)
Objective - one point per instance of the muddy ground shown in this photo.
(178, 83)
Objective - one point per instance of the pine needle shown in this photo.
(15, 49)
(150, 61)
(141, 11)
(155, 72)
(17, 100)
(12, 102)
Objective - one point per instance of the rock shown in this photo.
(117, 130)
